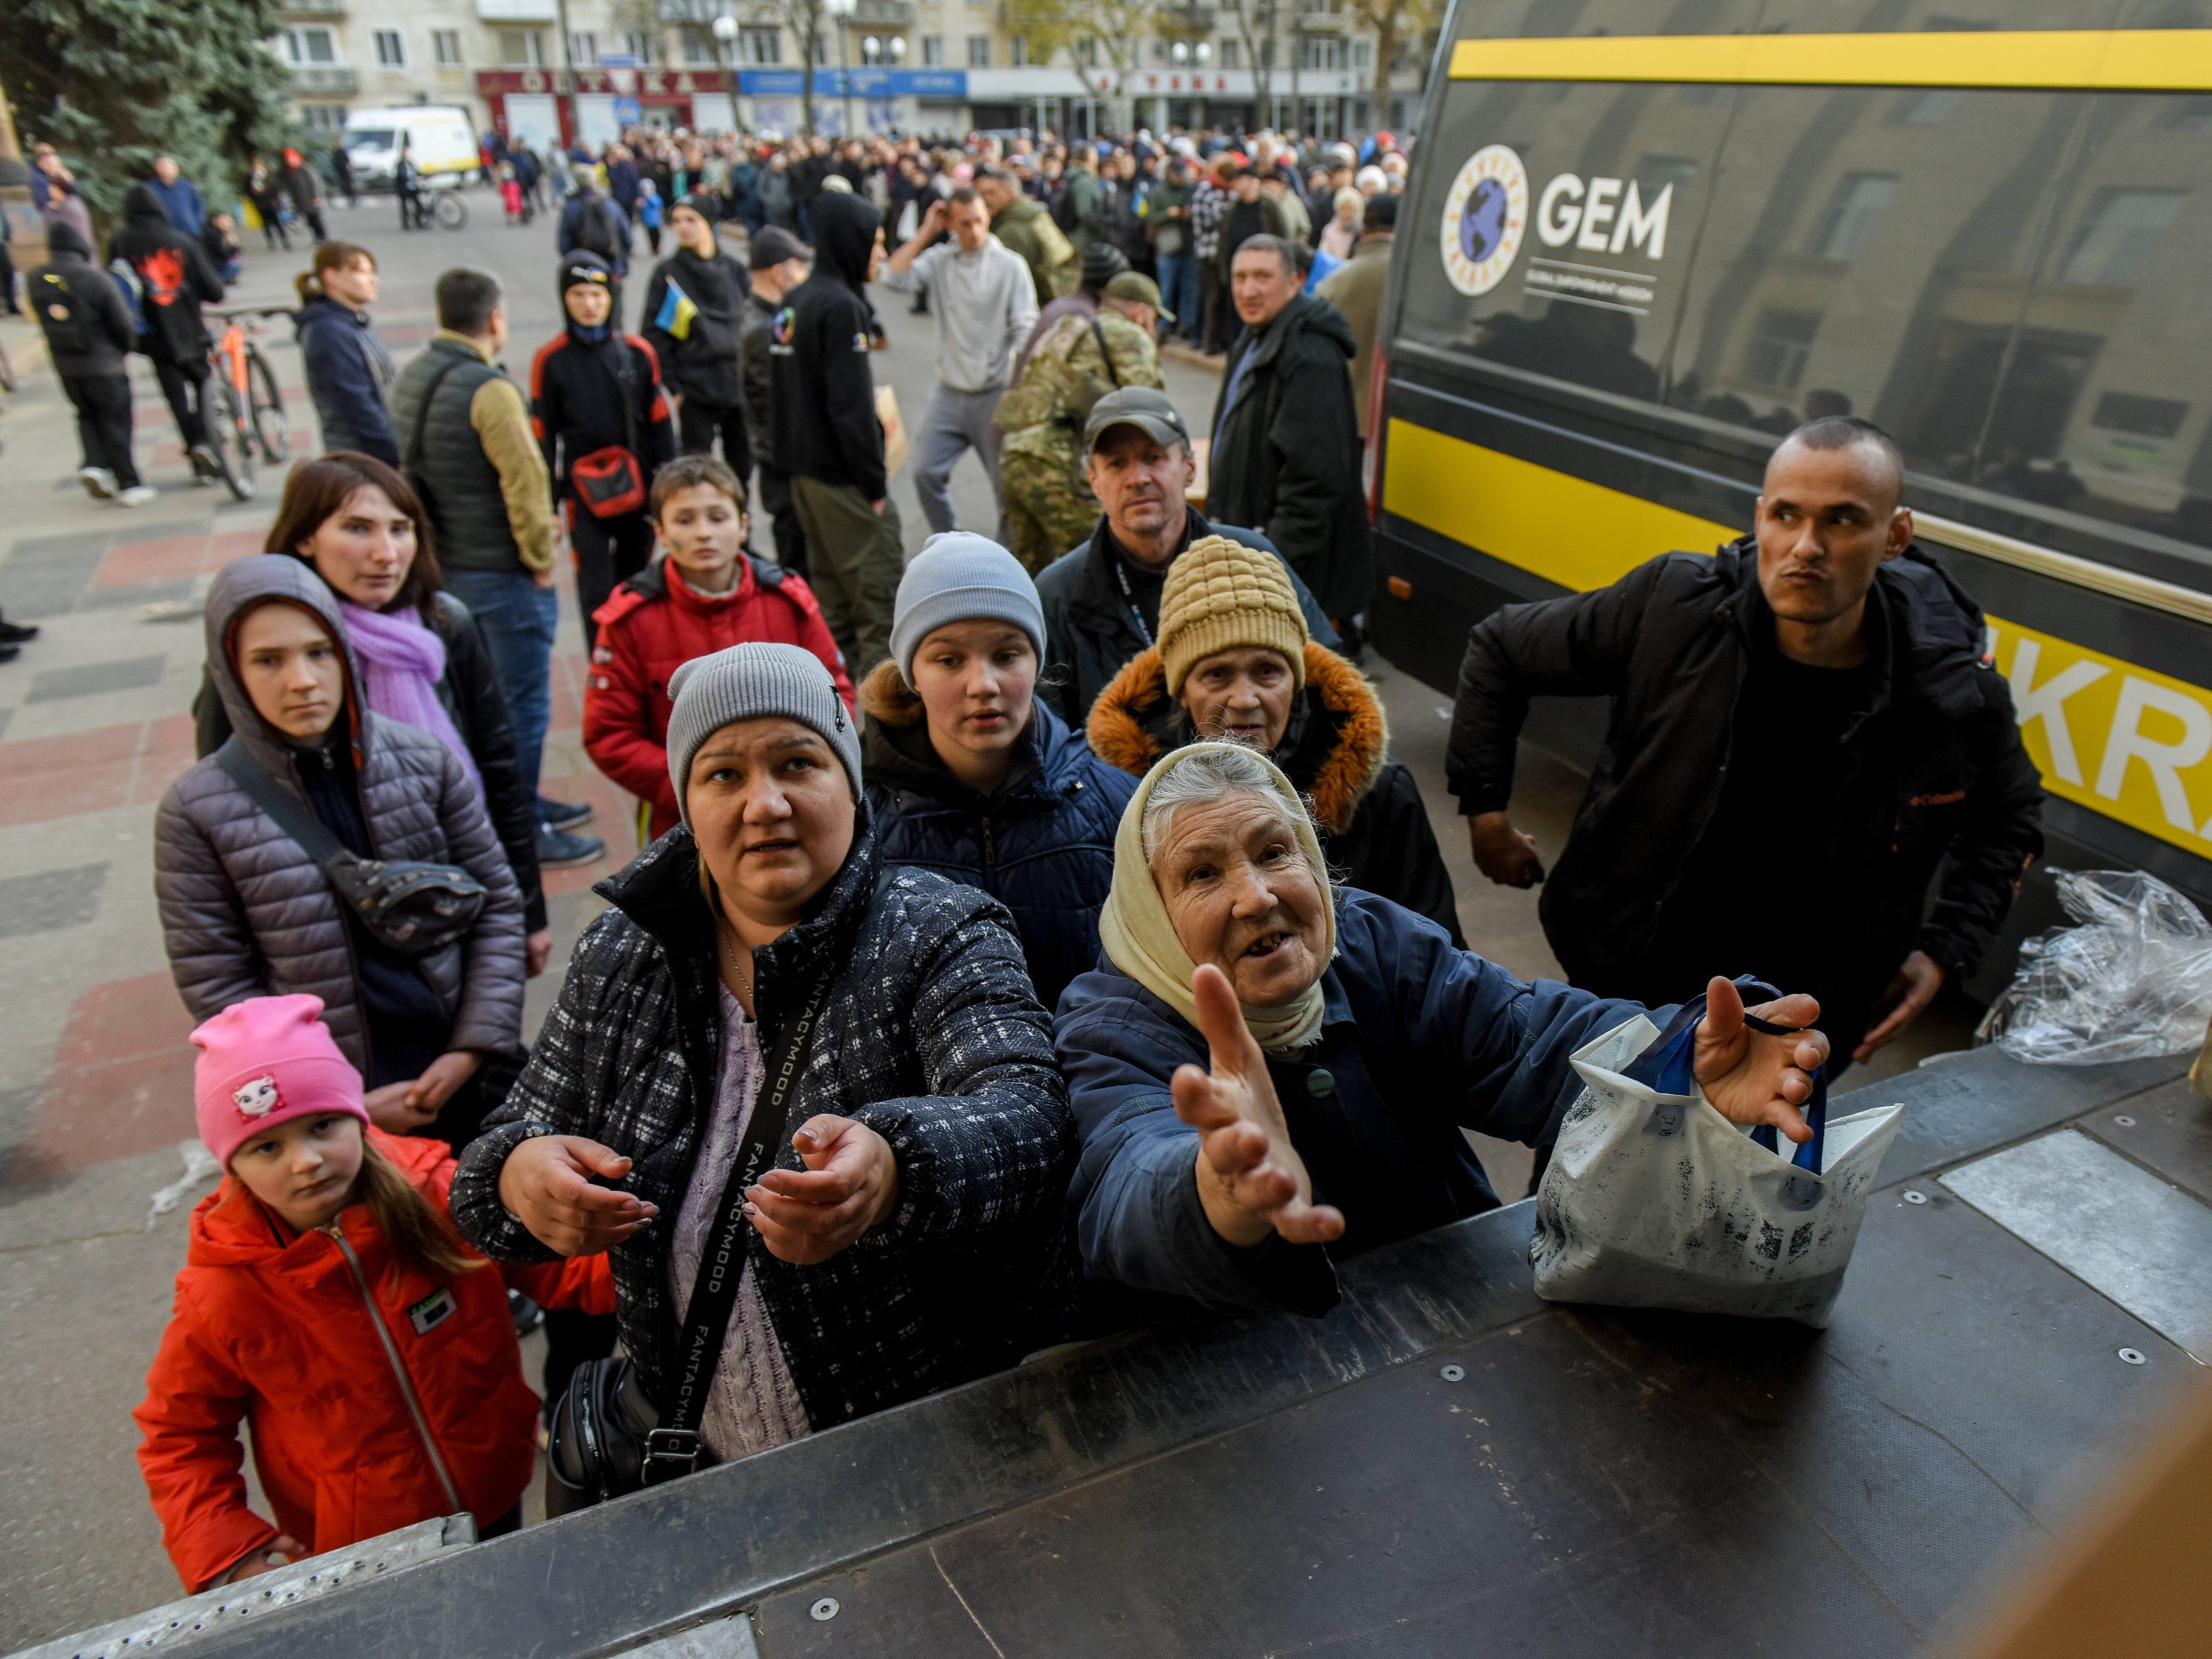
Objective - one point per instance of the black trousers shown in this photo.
(185, 385)
(609, 552)
(783, 515)
(698, 423)
(103, 423)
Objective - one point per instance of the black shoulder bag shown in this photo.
(417, 481)
(413, 906)
(607, 1437)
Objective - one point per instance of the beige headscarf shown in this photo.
(1141, 940)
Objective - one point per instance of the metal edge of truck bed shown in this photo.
(658, 1562)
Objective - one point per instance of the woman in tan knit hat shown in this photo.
(1233, 660)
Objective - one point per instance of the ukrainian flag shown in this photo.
(677, 312)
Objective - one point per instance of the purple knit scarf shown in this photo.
(403, 662)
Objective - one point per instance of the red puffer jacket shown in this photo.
(656, 623)
(329, 1359)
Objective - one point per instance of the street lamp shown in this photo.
(842, 10)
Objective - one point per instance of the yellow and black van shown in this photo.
(1642, 240)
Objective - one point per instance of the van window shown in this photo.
(368, 138)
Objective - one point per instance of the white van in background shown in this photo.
(441, 138)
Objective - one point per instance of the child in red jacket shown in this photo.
(707, 594)
(327, 1300)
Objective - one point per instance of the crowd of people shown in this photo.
(1027, 939)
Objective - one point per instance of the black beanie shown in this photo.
(584, 267)
(1102, 262)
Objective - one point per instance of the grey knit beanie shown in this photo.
(959, 577)
(745, 683)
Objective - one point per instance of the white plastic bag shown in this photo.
(2133, 982)
(1657, 1201)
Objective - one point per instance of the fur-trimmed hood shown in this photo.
(1337, 747)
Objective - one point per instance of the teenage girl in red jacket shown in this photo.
(707, 594)
(327, 1300)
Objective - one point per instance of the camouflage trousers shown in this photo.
(1046, 513)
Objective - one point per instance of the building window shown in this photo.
(1232, 54)
(1087, 52)
(445, 46)
(329, 118)
(639, 45)
(521, 49)
(699, 48)
(2145, 417)
(1321, 52)
(979, 51)
(391, 49)
(1018, 51)
(583, 46)
(1851, 215)
(932, 52)
(2123, 230)
(822, 49)
(310, 46)
(762, 45)
(1362, 54)
(1779, 346)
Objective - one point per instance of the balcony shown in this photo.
(322, 78)
(1194, 22)
(319, 10)
(518, 11)
(883, 13)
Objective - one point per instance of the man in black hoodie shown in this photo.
(695, 309)
(822, 405)
(176, 279)
(595, 393)
(88, 330)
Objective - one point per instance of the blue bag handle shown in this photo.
(1665, 1067)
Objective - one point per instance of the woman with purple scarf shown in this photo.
(360, 527)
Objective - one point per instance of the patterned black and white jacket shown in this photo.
(930, 1034)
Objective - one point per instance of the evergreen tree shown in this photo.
(113, 83)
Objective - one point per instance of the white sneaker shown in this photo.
(97, 481)
(137, 495)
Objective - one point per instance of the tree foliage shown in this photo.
(1101, 38)
(113, 83)
(1398, 24)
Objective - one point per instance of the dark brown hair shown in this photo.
(330, 256)
(689, 473)
(318, 489)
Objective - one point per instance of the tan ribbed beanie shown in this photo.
(1220, 594)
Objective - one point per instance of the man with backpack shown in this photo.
(171, 278)
(592, 224)
(88, 332)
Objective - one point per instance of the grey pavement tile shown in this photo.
(88, 679)
(50, 899)
(6, 715)
(42, 576)
(133, 593)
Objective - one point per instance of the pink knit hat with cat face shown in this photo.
(265, 1061)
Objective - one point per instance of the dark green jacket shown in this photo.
(475, 461)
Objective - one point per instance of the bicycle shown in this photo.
(245, 408)
(442, 207)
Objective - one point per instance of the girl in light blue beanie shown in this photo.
(969, 774)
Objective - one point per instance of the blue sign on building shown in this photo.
(858, 83)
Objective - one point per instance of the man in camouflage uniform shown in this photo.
(1049, 505)
(1020, 221)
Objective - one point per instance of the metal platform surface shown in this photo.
(1445, 1465)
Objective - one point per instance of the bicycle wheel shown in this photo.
(272, 430)
(230, 435)
(452, 211)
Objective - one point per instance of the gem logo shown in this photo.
(1485, 215)
(257, 1098)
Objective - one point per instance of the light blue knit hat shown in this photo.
(745, 683)
(958, 577)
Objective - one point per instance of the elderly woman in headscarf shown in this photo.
(1269, 1074)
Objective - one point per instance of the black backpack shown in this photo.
(69, 331)
(596, 231)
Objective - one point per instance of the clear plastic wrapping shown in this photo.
(2132, 982)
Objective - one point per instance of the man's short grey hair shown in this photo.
(1285, 253)
(1207, 776)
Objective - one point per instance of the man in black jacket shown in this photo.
(1286, 431)
(1816, 694)
(695, 306)
(1102, 601)
(175, 280)
(821, 408)
(88, 332)
(779, 262)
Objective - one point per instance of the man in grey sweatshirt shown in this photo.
(985, 301)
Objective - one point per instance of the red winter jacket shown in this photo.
(655, 622)
(277, 1330)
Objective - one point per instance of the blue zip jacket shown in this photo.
(1043, 845)
(349, 375)
(1419, 1041)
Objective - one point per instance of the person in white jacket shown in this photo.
(985, 303)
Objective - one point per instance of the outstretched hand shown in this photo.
(1752, 1077)
(1250, 1178)
(850, 1184)
(546, 1185)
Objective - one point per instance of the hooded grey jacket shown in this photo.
(246, 912)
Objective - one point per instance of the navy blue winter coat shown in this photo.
(1043, 845)
(1419, 1041)
(349, 375)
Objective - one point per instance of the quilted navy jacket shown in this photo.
(1043, 845)
(930, 1036)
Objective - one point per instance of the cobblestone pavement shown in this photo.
(95, 1072)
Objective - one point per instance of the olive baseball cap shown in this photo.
(1152, 412)
(1135, 285)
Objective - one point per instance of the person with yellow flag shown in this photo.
(693, 315)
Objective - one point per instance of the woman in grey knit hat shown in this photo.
(907, 1236)
(970, 774)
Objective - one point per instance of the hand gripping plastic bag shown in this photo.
(1654, 1199)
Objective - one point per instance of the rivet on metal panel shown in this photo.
(1913, 1197)
(1453, 1373)
(824, 1610)
(2134, 1357)
(2125, 1120)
